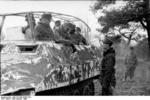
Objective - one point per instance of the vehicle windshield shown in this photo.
(0, 27)
(12, 28)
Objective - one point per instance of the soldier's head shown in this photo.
(78, 30)
(107, 43)
(131, 49)
(46, 18)
(57, 23)
(32, 19)
(69, 28)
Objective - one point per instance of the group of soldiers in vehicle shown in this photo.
(43, 31)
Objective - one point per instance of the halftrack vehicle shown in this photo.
(50, 67)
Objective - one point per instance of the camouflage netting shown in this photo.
(49, 65)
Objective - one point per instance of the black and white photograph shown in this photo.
(74, 48)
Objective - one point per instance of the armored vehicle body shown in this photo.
(59, 66)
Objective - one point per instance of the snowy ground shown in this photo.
(140, 85)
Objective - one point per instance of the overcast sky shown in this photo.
(79, 9)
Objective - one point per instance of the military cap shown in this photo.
(107, 40)
(58, 21)
(46, 16)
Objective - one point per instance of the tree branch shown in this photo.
(130, 36)
(124, 35)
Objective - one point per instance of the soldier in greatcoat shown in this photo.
(107, 73)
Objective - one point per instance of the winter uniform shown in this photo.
(43, 32)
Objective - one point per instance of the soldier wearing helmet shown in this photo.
(107, 75)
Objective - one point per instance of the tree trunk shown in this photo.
(148, 32)
(130, 38)
(148, 21)
(129, 41)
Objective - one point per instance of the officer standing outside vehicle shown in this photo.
(107, 73)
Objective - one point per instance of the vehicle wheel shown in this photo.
(92, 88)
(63, 92)
(87, 90)
(133, 91)
(76, 92)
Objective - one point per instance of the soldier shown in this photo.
(57, 25)
(43, 30)
(131, 63)
(79, 37)
(27, 29)
(57, 29)
(66, 29)
(107, 74)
